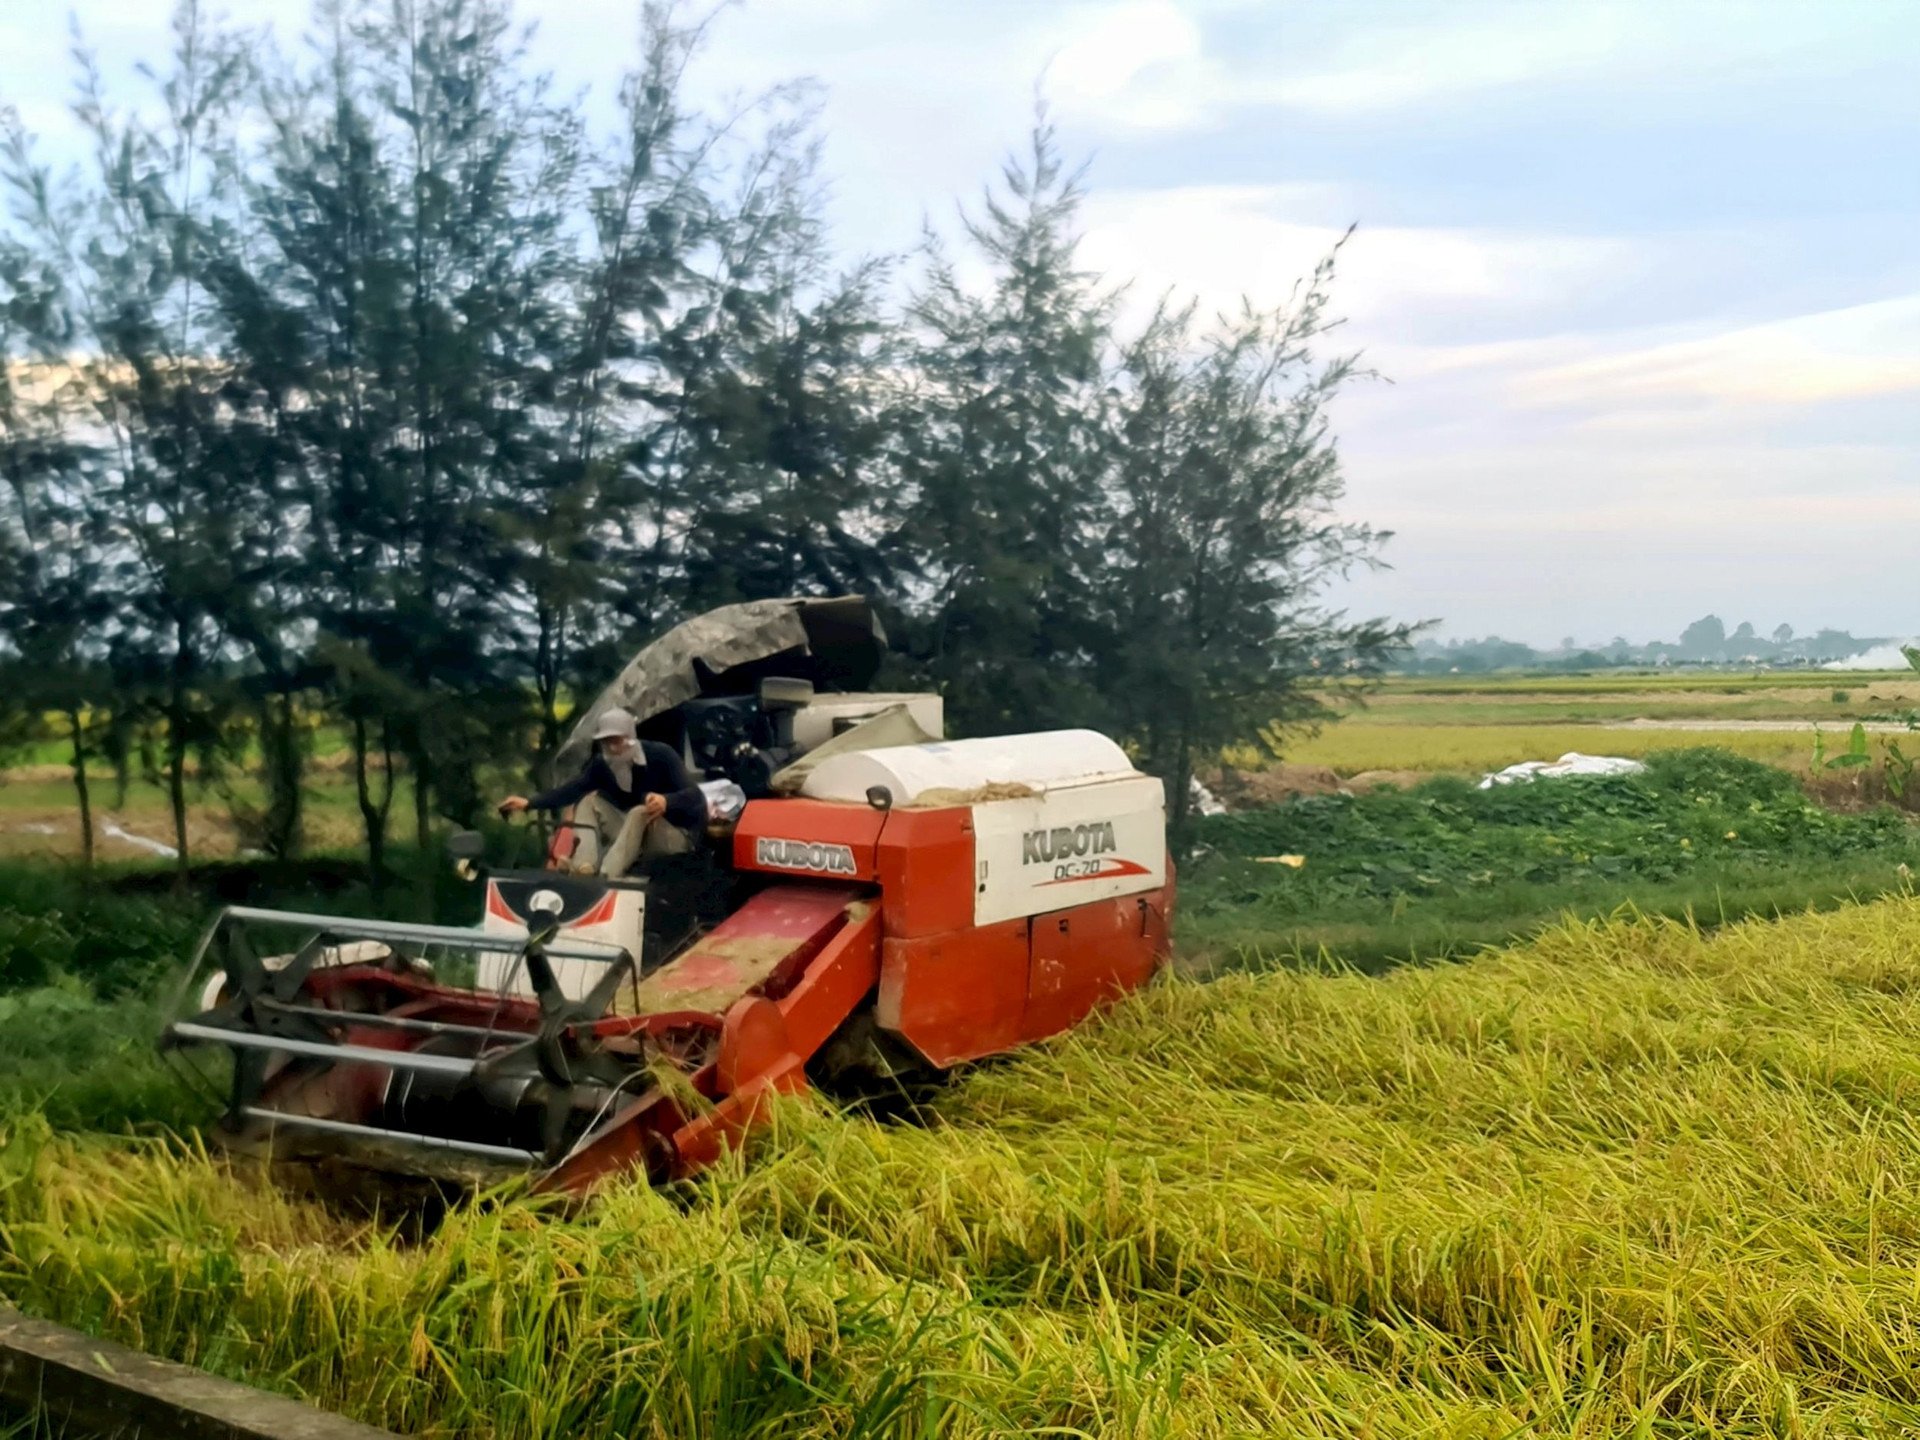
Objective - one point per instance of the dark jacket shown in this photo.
(656, 771)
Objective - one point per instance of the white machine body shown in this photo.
(1071, 845)
(591, 911)
(933, 774)
(827, 714)
(1060, 818)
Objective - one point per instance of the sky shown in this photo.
(1641, 278)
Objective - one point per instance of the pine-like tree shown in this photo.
(1003, 448)
(127, 244)
(1225, 534)
(52, 608)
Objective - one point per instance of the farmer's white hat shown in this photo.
(614, 723)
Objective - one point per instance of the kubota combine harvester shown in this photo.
(868, 898)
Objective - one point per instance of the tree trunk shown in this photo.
(177, 795)
(177, 800)
(177, 787)
(120, 752)
(177, 752)
(78, 735)
(419, 763)
(1180, 785)
(373, 817)
(547, 678)
(281, 757)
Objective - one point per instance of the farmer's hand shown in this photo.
(655, 806)
(513, 805)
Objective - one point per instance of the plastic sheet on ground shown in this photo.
(1571, 763)
(1203, 800)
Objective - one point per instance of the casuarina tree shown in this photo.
(1225, 534)
(1002, 449)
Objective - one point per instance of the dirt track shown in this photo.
(1781, 727)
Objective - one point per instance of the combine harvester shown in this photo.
(869, 900)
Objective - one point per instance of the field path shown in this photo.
(1779, 727)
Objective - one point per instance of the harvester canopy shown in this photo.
(838, 643)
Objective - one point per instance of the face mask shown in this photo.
(622, 767)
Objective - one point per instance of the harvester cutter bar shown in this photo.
(404, 1138)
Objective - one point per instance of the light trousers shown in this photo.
(609, 840)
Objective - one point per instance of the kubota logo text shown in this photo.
(804, 855)
(1067, 842)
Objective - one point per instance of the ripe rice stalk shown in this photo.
(1629, 1179)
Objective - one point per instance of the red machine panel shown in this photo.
(927, 873)
(956, 996)
(1081, 958)
(808, 839)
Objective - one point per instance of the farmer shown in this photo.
(632, 799)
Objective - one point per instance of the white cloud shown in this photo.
(1858, 351)
(1147, 64)
(1138, 65)
(1387, 66)
(1221, 242)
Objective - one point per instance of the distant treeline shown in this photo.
(372, 384)
(1705, 642)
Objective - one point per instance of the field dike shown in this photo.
(1628, 1180)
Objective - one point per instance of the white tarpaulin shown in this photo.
(1202, 800)
(1571, 763)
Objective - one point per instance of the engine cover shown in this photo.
(1068, 847)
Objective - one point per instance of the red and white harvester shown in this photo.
(869, 900)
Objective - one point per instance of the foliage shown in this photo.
(51, 593)
(1445, 869)
(1853, 757)
(1006, 468)
(86, 1065)
(115, 943)
(1705, 641)
(1225, 529)
(1409, 743)
(419, 405)
(1447, 836)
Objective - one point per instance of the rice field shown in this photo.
(1472, 724)
(1629, 1179)
(1349, 748)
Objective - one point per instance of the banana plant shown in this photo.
(1856, 751)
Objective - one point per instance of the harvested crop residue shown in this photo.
(1246, 789)
(979, 795)
(709, 977)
